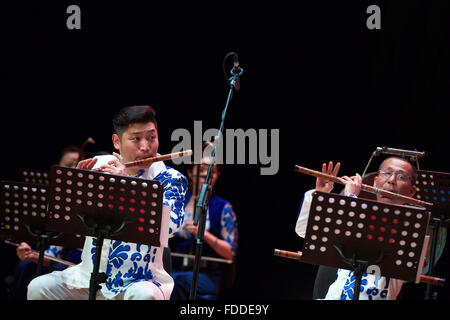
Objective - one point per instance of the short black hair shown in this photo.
(68, 149)
(133, 114)
(413, 166)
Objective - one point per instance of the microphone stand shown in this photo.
(203, 198)
(195, 193)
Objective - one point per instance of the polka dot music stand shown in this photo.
(351, 233)
(34, 176)
(104, 206)
(24, 216)
(434, 187)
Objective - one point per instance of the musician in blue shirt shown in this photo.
(220, 240)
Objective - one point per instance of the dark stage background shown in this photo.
(335, 89)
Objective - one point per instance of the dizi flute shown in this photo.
(366, 187)
(163, 157)
(65, 262)
(191, 256)
(298, 255)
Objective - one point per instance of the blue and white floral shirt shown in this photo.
(125, 263)
(220, 221)
(71, 255)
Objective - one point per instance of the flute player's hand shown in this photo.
(114, 166)
(352, 184)
(24, 252)
(323, 184)
(87, 164)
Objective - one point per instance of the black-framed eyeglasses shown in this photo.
(400, 176)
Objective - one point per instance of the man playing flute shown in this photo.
(134, 271)
(396, 175)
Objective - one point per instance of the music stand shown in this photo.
(23, 210)
(434, 187)
(105, 206)
(345, 232)
(34, 176)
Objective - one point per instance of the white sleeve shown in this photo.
(302, 221)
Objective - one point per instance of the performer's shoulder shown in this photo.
(172, 174)
(220, 202)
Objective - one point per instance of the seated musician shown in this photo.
(220, 239)
(27, 264)
(396, 175)
(134, 271)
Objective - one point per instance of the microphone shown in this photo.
(236, 71)
(235, 63)
(400, 152)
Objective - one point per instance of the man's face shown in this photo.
(395, 176)
(69, 159)
(138, 142)
(202, 173)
